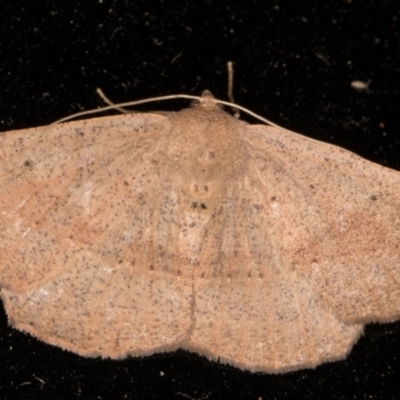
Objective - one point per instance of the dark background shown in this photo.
(294, 62)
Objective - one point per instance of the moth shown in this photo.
(148, 232)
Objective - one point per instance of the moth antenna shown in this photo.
(120, 106)
(126, 104)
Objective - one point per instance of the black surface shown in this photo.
(294, 63)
